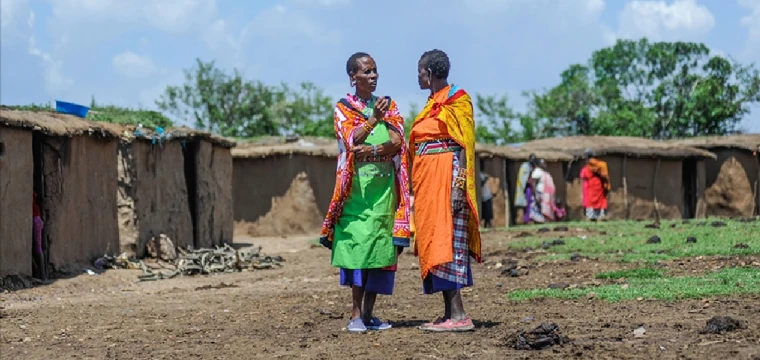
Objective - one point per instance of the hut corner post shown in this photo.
(505, 188)
(625, 185)
(654, 191)
(757, 193)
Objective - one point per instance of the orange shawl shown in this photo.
(599, 167)
(456, 113)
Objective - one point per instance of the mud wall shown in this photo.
(153, 195)
(701, 211)
(80, 209)
(215, 221)
(292, 187)
(16, 186)
(731, 182)
(641, 184)
(495, 168)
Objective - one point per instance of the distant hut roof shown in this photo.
(514, 153)
(272, 146)
(56, 124)
(749, 142)
(608, 145)
(178, 133)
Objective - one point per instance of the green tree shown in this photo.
(656, 90)
(223, 103)
(495, 121)
(414, 110)
(306, 112)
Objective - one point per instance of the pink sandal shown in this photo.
(449, 325)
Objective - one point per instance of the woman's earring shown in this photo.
(353, 83)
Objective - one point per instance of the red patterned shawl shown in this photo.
(348, 118)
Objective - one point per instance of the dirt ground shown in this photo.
(299, 311)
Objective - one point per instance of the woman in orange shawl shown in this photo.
(442, 147)
(596, 185)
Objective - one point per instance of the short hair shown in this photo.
(588, 153)
(532, 158)
(437, 62)
(352, 64)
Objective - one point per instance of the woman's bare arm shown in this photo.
(361, 133)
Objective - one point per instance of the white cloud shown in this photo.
(281, 22)
(9, 10)
(12, 13)
(659, 20)
(131, 65)
(752, 23)
(325, 3)
(180, 15)
(55, 80)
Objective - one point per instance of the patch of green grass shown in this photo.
(640, 273)
(626, 241)
(733, 281)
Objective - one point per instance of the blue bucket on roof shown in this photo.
(71, 108)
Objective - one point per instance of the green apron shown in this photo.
(364, 232)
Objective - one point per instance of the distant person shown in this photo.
(560, 213)
(367, 223)
(522, 190)
(596, 186)
(545, 190)
(443, 178)
(486, 205)
(533, 193)
(37, 226)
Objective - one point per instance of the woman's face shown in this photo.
(423, 77)
(366, 75)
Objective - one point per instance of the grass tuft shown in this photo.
(731, 281)
(641, 273)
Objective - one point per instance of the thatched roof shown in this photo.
(749, 142)
(273, 146)
(177, 133)
(514, 153)
(616, 145)
(51, 123)
(57, 124)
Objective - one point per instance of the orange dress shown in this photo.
(431, 186)
(443, 240)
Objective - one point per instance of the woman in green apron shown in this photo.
(367, 223)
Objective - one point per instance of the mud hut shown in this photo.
(71, 164)
(282, 186)
(732, 176)
(179, 184)
(650, 179)
(501, 164)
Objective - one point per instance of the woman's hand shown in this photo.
(457, 199)
(362, 152)
(381, 106)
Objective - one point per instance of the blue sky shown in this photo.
(127, 52)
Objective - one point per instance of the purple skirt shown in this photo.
(433, 284)
(371, 280)
(529, 198)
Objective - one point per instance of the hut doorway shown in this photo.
(190, 154)
(689, 178)
(39, 246)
